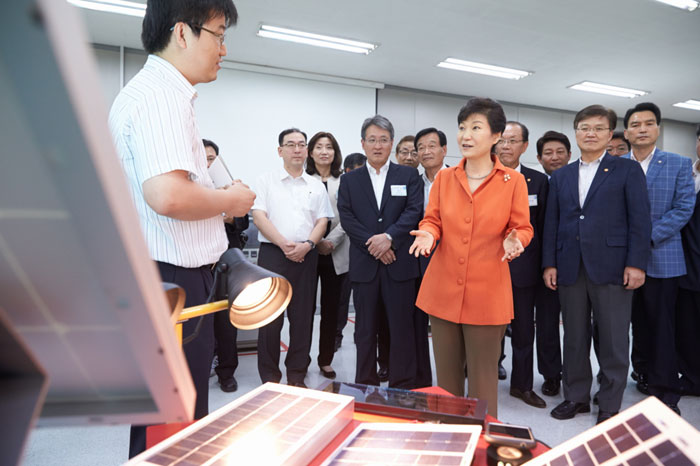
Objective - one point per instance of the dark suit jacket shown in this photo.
(526, 270)
(691, 246)
(610, 232)
(397, 216)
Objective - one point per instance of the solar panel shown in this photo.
(404, 444)
(648, 433)
(273, 424)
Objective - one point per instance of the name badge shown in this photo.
(398, 190)
(532, 199)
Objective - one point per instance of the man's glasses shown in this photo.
(219, 37)
(292, 145)
(406, 152)
(590, 129)
(381, 141)
(512, 142)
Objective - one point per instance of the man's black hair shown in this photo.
(523, 129)
(287, 131)
(162, 15)
(208, 143)
(552, 136)
(425, 131)
(643, 107)
(354, 160)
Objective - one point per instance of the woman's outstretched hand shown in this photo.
(422, 244)
(512, 246)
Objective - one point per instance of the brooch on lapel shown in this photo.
(506, 177)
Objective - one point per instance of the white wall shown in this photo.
(243, 111)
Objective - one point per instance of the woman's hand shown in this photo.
(512, 246)
(422, 244)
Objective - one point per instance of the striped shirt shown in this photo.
(155, 132)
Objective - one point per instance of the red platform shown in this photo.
(158, 433)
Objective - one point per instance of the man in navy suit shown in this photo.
(378, 206)
(596, 247)
(688, 302)
(669, 182)
(525, 271)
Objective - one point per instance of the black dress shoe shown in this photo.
(674, 408)
(604, 416)
(643, 384)
(383, 374)
(686, 387)
(529, 397)
(502, 374)
(568, 409)
(228, 385)
(634, 376)
(550, 387)
(297, 384)
(328, 374)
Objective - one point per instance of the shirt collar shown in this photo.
(171, 74)
(284, 174)
(517, 169)
(595, 162)
(384, 168)
(651, 155)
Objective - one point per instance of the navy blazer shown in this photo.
(526, 269)
(672, 198)
(691, 246)
(611, 231)
(397, 216)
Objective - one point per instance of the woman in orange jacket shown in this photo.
(479, 213)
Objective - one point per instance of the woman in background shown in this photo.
(324, 163)
(479, 212)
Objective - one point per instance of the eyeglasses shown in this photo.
(292, 145)
(588, 129)
(381, 141)
(406, 152)
(220, 37)
(512, 142)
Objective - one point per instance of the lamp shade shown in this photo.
(255, 295)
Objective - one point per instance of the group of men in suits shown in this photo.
(611, 227)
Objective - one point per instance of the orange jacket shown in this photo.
(466, 282)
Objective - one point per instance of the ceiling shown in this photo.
(639, 44)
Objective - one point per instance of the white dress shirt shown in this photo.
(427, 184)
(378, 180)
(155, 132)
(586, 173)
(293, 205)
(644, 163)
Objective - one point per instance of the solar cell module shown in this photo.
(648, 433)
(407, 444)
(272, 425)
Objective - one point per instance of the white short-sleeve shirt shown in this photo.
(155, 132)
(293, 205)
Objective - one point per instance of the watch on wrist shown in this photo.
(313, 245)
(389, 237)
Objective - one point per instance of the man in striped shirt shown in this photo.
(155, 132)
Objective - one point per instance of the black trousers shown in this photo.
(687, 333)
(547, 318)
(654, 311)
(383, 338)
(331, 287)
(199, 353)
(302, 276)
(343, 305)
(226, 336)
(424, 373)
(522, 338)
(398, 299)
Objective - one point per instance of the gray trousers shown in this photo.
(611, 307)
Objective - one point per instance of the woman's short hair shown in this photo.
(491, 109)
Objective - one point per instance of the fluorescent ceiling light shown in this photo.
(691, 104)
(300, 37)
(606, 89)
(689, 5)
(113, 6)
(490, 70)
